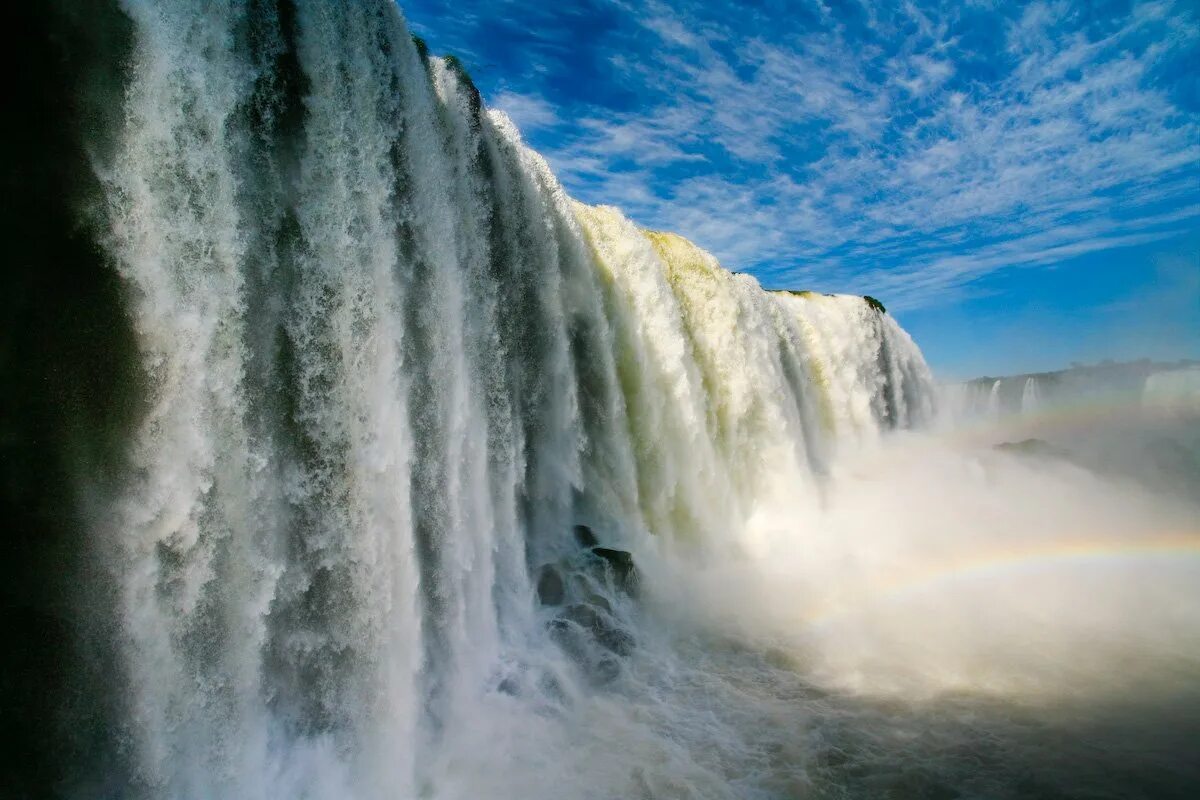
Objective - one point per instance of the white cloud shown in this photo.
(819, 156)
(530, 114)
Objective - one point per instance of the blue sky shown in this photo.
(1018, 183)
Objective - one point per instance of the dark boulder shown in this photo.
(602, 628)
(580, 646)
(599, 601)
(620, 562)
(585, 537)
(571, 637)
(551, 590)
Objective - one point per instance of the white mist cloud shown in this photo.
(937, 566)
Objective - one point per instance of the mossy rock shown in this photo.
(874, 304)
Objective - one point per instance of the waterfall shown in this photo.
(1175, 390)
(993, 405)
(1031, 396)
(386, 365)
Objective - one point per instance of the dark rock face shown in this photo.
(551, 590)
(592, 650)
(599, 601)
(621, 563)
(589, 629)
(585, 537)
(570, 637)
(602, 627)
(72, 393)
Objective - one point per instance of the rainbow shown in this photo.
(1169, 550)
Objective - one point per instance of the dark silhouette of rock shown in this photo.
(602, 628)
(587, 649)
(621, 563)
(551, 590)
(571, 637)
(585, 537)
(599, 601)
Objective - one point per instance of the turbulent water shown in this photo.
(344, 369)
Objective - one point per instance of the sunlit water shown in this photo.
(384, 367)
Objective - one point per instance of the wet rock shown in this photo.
(621, 563)
(602, 628)
(551, 590)
(585, 537)
(599, 601)
(571, 637)
(605, 670)
(577, 643)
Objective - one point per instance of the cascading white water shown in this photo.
(390, 364)
(1176, 390)
(1031, 396)
(347, 457)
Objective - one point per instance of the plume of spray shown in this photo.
(933, 566)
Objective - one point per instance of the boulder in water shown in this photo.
(621, 563)
(602, 628)
(599, 601)
(569, 636)
(585, 537)
(590, 641)
(551, 590)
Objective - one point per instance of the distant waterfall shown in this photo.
(1106, 386)
(994, 399)
(1031, 396)
(387, 365)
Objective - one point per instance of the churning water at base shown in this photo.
(431, 482)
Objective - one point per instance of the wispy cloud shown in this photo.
(907, 149)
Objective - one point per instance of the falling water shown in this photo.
(388, 366)
(1031, 397)
(993, 404)
(383, 367)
